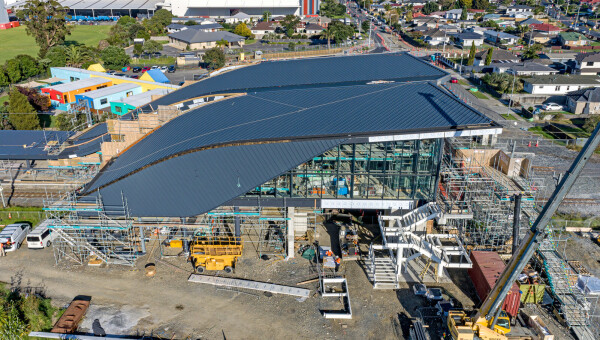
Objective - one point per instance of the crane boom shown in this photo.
(492, 304)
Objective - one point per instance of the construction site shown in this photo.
(291, 215)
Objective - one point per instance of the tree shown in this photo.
(152, 46)
(341, 31)
(409, 16)
(40, 102)
(488, 57)
(532, 51)
(4, 80)
(75, 56)
(114, 57)
(242, 30)
(266, 16)
(21, 112)
(430, 7)
(365, 25)
(214, 58)
(591, 123)
(126, 20)
(222, 43)
(490, 23)
(45, 20)
(289, 23)
(331, 8)
(102, 44)
(292, 46)
(57, 56)
(471, 59)
(138, 49)
(28, 65)
(13, 70)
(163, 17)
(481, 4)
(465, 3)
(11, 325)
(464, 15)
(190, 23)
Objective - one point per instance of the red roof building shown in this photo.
(546, 28)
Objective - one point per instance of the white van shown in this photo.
(41, 237)
(13, 235)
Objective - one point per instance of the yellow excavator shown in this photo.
(490, 322)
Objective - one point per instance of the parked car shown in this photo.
(120, 75)
(420, 289)
(111, 71)
(136, 69)
(13, 235)
(453, 80)
(434, 294)
(552, 107)
(154, 67)
(40, 238)
(146, 68)
(171, 69)
(134, 76)
(163, 69)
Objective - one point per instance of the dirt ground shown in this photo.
(126, 302)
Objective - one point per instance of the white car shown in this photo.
(13, 235)
(552, 107)
(155, 67)
(40, 238)
(163, 69)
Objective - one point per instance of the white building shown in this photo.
(559, 84)
(225, 9)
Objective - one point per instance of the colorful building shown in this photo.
(310, 7)
(125, 105)
(96, 68)
(155, 76)
(101, 98)
(63, 95)
(73, 74)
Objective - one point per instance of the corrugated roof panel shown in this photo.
(198, 182)
(335, 112)
(78, 84)
(29, 145)
(311, 72)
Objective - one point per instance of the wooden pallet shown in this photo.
(579, 268)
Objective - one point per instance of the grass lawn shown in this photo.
(3, 99)
(539, 131)
(20, 214)
(15, 41)
(153, 61)
(249, 41)
(479, 95)
(508, 116)
(463, 82)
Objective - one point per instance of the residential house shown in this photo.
(438, 14)
(506, 23)
(547, 29)
(477, 29)
(435, 37)
(491, 16)
(455, 14)
(529, 21)
(100, 99)
(527, 69)
(536, 37)
(500, 37)
(584, 101)
(572, 39)
(238, 17)
(320, 20)
(172, 28)
(313, 29)
(498, 56)
(587, 63)
(207, 27)
(416, 2)
(520, 10)
(449, 28)
(559, 84)
(426, 21)
(467, 39)
(422, 28)
(262, 28)
(199, 40)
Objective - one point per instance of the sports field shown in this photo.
(15, 41)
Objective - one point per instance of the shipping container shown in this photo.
(487, 268)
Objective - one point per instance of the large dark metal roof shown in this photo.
(197, 182)
(327, 71)
(30, 145)
(86, 143)
(296, 114)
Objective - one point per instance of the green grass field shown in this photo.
(508, 116)
(15, 41)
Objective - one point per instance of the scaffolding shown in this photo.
(476, 189)
(90, 232)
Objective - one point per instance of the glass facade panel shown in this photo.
(386, 170)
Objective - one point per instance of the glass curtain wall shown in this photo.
(386, 170)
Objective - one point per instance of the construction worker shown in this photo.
(329, 253)
(338, 261)
(2, 251)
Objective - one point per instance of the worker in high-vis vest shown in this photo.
(2, 251)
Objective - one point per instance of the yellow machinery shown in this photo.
(215, 253)
(490, 322)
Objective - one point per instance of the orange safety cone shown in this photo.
(9, 216)
(537, 143)
(529, 145)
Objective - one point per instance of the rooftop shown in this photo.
(572, 36)
(193, 36)
(29, 145)
(78, 84)
(107, 91)
(497, 54)
(545, 27)
(143, 98)
(563, 80)
(588, 57)
(586, 95)
(469, 35)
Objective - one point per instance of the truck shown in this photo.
(215, 253)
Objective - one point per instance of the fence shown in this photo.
(13, 216)
(301, 53)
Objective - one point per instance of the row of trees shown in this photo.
(127, 28)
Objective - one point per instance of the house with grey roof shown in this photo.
(498, 56)
(435, 37)
(587, 63)
(524, 69)
(455, 14)
(584, 101)
(500, 37)
(559, 84)
(200, 40)
(467, 39)
(172, 28)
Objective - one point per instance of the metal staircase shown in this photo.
(381, 268)
(410, 220)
